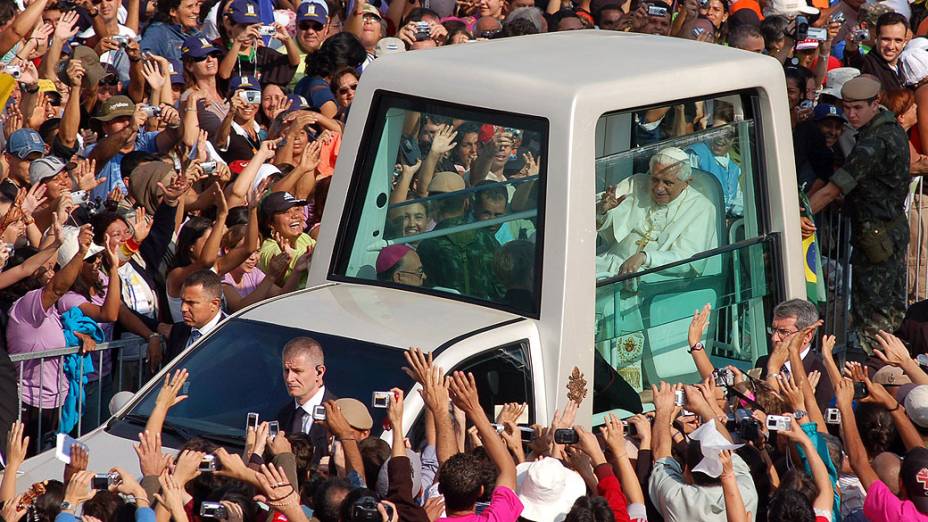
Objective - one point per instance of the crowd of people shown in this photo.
(779, 442)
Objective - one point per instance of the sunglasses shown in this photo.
(200, 59)
(310, 25)
(348, 88)
(110, 80)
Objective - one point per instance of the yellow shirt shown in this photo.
(270, 248)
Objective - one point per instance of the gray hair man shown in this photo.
(791, 318)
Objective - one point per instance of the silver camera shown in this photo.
(151, 111)
(423, 31)
(267, 30)
(213, 510)
(860, 35)
(120, 39)
(13, 70)
(319, 413)
(832, 416)
(208, 167)
(656, 10)
(250, 97)
(679, 398)
(778, 423)
(380, 399)
(209, 464)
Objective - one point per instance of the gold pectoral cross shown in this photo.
(645, 239)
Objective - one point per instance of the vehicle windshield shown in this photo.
(448, 200)
(238, 370)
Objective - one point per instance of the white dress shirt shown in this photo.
(196, 333)
(308, 407)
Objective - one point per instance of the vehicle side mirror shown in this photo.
(119, 400)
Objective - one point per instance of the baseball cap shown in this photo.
(24, 142)
(46, 85)
(446, 182)
(864, 87)
(890, 375)
(177, 71)
(369, 9)
(93, 69)
(390, 256)
(110, 73)
(791, 7)
(312, 11)
(827, 110)
(69, 245)
(277, 202)
(198, 47)
(389, 45)
(354, 411)
(244, 12)
(916, 405)
(44, 168)
(248, 83)
(836, 78)
(914, 475)
(115, 107)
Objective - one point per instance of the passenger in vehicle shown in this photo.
(460, 261)
(655, 219)
(304, 370)
(514, 266)
(400, 264)
(407, 220)
(714, 157)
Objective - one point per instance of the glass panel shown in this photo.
(231, 375)
(449, 201)
(642, 321)
(502, 375)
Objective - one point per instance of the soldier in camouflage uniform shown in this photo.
(462, 261)
(874, 181)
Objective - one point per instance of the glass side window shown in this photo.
(448, 200)
(679, 225)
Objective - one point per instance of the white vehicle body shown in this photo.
(571, 80)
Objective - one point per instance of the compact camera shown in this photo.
(319, 413)
(121, 39)
(566, 436)
(802, 28)
(656, 10)
(832, 416)
(273, 428)
(209, 464)
(778, 423)
(423, 31)
(267, 30)
(152, 111)
(380, 399)
(13, 70)
(860, 35)
(744, 425)
(104, 480)
(723, 377)
(213, 510)
(838, 17)
(208, 167)
(365, 510)
(251, 97)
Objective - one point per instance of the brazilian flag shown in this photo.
(812, 259)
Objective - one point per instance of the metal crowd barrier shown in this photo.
(917, 255)
(834, 243)
(117, 372)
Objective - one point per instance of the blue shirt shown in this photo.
(316, 91)
(112, 171)
(702, 158)
(165, 39)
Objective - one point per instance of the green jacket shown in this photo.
(462, 261)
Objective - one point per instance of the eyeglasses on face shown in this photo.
(782, 332)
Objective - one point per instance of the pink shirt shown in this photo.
(31, 328)
(881, 505)
(505, 506)
(72, 299)
(250, 281)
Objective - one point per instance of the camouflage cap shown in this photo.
(871, 12)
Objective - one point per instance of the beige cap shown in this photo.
(446, 182)
(891, 376)
(864, 87)
(355, 412)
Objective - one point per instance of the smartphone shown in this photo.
(630, 429)
(273, 428)
(63, 446)
(319, 413)
(832, 416)
(380, 399)
(566, 436)
(860, 390)
(213, 510)
(921, 359)
(252, 421)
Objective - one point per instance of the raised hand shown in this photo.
(152, 461)
(66, 27)
(155, 78)
(141, 225)
(436, 390)
(80, 458)
(168, 394)
(512, 436)
(699, 324)
(891, 351)
(34, 198)
(791, 392)
(86, 175)
(510, 412)
(420, 364)
(277, 488)
(16, 445)
(172, 495)
(178, 187)
(609, 200)
(280, 444)
(464, 392)
(395, 409)
(443, 142)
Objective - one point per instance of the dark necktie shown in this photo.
(298, 416)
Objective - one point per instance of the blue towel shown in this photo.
(75, 321)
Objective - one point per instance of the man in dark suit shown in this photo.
(304, 370)
(201, 308)
(790, 318)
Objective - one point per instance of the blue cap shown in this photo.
(313, 11)
(827, 110)
(177, 71)
(198, 47)
(247, 83)
(297, 103)
(24, 142)
(244, 12)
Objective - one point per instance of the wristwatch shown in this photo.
(800, 414)
(67, 506)
(696, 347)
